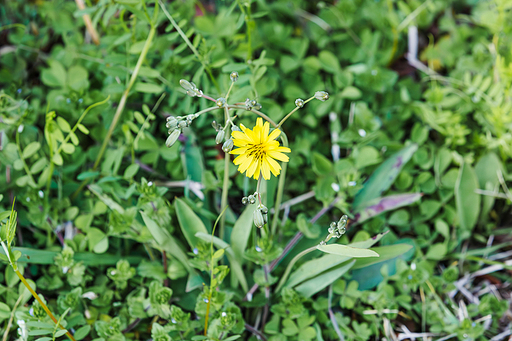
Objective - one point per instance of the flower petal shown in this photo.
(275, 168)
(265, 169)
(278, 156)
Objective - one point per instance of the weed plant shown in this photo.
(285, 170)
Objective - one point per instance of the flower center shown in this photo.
(257, 151)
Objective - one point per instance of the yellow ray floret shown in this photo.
(258, 150)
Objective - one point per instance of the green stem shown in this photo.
(280, 188)
(211, 274)
(189, 43)
(122, 102)
(80, 119)
(36, 296)
(284, 277)
(291, 112)
(9, 323)
(25, 166)
(225, 184)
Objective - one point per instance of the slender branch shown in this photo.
(9, 324)
(36, 296)
(126, 92)
(255, 332)
(88, 24)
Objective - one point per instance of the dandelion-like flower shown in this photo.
(258, 150)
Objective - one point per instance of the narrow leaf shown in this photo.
(383, 177)
(314, 285)
(347, 251)
(190, 223)
(380, 205)
(466, 200)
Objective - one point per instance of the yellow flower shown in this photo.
(257, 150)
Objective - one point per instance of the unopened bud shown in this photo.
(257, 106)
(173, 138)
(251, 199)
(220, 136)
(227, 146)
(299, 102)
(233, 76)
(221, 101)
(322, 96)
(259, 220)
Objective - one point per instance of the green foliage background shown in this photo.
(137, 227)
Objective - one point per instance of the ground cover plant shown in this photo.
(257, 170)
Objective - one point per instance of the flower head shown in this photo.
(258, 150)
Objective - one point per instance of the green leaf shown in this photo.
(5, 311)
(236, 265)
(366, 156)
(86, 175)
(351, 92)
(98, 241)
(437, 251)
(57, 159)
(77, 78)
(160, 235)
(314, 285)
(148, 88)
(68, 148)
(242, 231)
(289, 328)
(63, 124)
(487, 168)
(466, 200)
(385, 253)
(383, 177)
(346, 251)
(380, 205)
(190, 223)
(31, 149)
(321, 165)
(329, 61)
(55, 76)
(316, 266)
(82, 128)
(131, 170)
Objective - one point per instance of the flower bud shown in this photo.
(220, 136)
(322, 96)
(233, 76)
(187, 85)
(221, 101)
(299, 102)
(251, 199)
(227, 146)
(257, 106)
(245, 200)
(182, 124)
(173, 138)
(259, 220)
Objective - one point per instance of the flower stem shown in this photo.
(291, 112)
(280, 188)
(225, 182)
